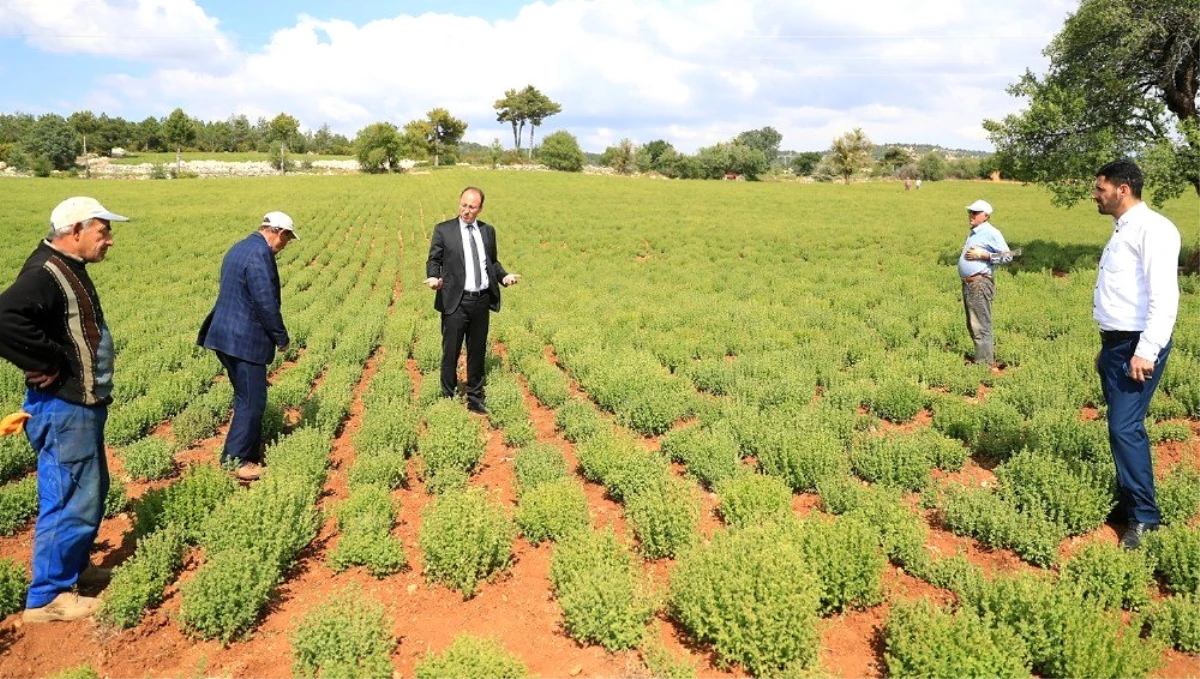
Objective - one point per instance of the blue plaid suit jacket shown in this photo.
(246, 321)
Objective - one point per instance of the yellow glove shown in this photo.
(13, 424)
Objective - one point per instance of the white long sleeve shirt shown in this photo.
(472, 285)
(1138, 287)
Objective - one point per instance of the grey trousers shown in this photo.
(977, 302)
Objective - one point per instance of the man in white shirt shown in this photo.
(464, 269)
(1135, 304)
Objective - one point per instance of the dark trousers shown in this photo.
(72, 482)
(1127, 402)
(249, 382)
(470, 322)
(977, 302)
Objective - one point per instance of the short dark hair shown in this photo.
(1123, 171)
(476, 190)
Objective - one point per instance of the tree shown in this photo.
(560, 151)
(850, 154)
(149, 134)
(495, 152)
(436, 134)
(805, 162)
(179, 131)
(731, 158)
(53, 139)
(538, 107)
(1121, 72)
(896, 157)
(932, 167)
(510, 109)
(377, 147)
(766, 139)
(620, 157)
(85, 123)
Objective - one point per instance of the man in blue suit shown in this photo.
(244, 329)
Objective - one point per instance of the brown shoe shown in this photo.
(249, 471)
(94, 576)
(66, 606)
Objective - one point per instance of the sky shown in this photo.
(691, 72)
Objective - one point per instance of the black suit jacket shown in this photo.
(446, 261)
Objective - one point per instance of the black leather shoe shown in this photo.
(477, 408)
(1132, 538)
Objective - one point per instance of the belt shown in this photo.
(974, 277)
(1114, 336)
(474, 295)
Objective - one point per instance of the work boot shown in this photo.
(94, 576)
(248, 471)
(66, 606)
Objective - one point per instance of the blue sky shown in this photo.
(691, 72)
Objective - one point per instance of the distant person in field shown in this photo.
(907, 184)
(985, 247)
(245, 328)
(1135, 303)
(465, 271)
(52, 327)
(918, 183)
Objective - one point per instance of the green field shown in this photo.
(812, 333)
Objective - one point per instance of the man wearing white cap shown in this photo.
(985, 247)
(244, 329)
(52, 327)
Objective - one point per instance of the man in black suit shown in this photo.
(466, 274)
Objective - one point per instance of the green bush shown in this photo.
(1113, 576)
(547, 383)
(115, 501)
(848, 560)
(148, 459)
(896, 461)
(1176, 552)
(1179, 494)
(447, 481)
(139, 582)
(506, 408)
(1174, 621)
(18, 504)
(451, 440)
(16, 457)
(224, 599)
(537, 464)
(13, 583)
(365, 520)
(664, 517)
(388, 471)
(620, 464)
(83, 671)
(466, 539)
(187, 503)
(710, 454)
(749, 499)
(552, 510)
(599, 585)
(957, 419)
(470, 656)
(1039, 483)
(982, 514)
(201, 418)
(751, 593)
(275, 519)
(901, 532)
(897, 400)
(840, 494)
(1160, 432)
(1002, 430)
(660, 662)
(803, 458)
(348, 636)
(925, 641)
(579, 420)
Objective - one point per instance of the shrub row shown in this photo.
(986, 516)
(711, 454)
(13, 583)
(506, 408)
(633, 386)
(469, 656)
(148, 459)
(18, 504)
(17, 457)
(203, 415)
(553, 510)
(388, 435)
(452, 440)
(348, 636)
(466, 539)
(600, 587)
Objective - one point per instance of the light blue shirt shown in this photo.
(989, 238)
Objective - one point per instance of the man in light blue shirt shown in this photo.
(985, 248)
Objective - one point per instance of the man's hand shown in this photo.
(511, 279)
(40, 380)
(1140, 369)
(977, 254)
(434, 283)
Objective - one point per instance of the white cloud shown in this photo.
(693, 73)
(133, 29)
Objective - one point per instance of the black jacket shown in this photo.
(51, 320)
(446, 261)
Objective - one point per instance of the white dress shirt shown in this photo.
(473, 285)
(1138, 288)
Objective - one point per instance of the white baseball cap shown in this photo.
(80, 209)
(980, 206)
(280, 220)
